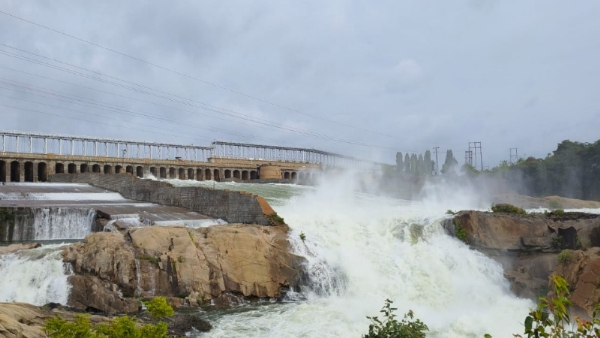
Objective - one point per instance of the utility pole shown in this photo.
(437, 163)
(514, 156)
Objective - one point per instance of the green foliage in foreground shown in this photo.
(159, 308)
(549, 320)
(119, 327)
(390, 327)
(508, 209)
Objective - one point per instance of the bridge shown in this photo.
(31, 157)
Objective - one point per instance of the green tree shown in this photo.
(159, 308)
(407, 164)
(428, 163)
(450, 162)
(414, 164)
(399, 162)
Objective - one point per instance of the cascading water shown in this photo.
(37, 276)
(49, 224)
(361, 250)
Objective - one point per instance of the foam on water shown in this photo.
(364, 249)
(36, 276)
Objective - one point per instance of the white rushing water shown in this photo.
(362, 249)
(36, 276)
(52, 223)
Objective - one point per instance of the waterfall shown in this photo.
(36, 276)
(49, 224)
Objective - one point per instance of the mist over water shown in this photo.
(362, 249)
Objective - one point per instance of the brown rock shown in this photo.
(582, 273)
(192, 264)
(16, 247)
(89, 293)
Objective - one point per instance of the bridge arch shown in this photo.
(236, 174)
(181, 175)
(2, 171)
(286, 175)
(172, 173)
(84, 168)
(108, 169)
(153, 171)
(28, 171)
(253, 174)
(244, 175)
(72, 168)
(190, 174)
(227, 173)
(129, 169)
(163, 172)
(207, 174)
(15, 171)
(42, 171)
(294, 175)
(217, 176)
(96, 168)
(59, 168)
(139, 171)
(199, 176)
(118, 169)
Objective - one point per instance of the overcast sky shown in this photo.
(362, 78)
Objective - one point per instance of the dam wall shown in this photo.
(231, 206)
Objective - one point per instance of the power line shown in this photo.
(167, 98)
(191, 77)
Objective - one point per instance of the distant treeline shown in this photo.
(572, 170)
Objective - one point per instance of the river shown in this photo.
(361, 249)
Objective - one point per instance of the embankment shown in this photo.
(232, 206)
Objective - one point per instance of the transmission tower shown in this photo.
(514, 156)
(469, 157)
(476, 153)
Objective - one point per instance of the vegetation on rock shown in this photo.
(119, 327)
(508, 209)
(459, 231)
(275, 219)
(565, 256)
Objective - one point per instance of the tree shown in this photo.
(399, 162)
(420, 165)
(407, 164)
(450, 162)
(428, 163)
(414, 164)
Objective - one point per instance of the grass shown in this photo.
(508, 209)
(275, 219)
(150, 259)
(565, 256)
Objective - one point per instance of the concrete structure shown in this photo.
(32, 157)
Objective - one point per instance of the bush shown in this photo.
(554, 204)
(120, 327)
(159, 308)
(275, 219)
(450, 212)
(508, 209)
(302, 237)
(460, 232)
(391, 327)
(583, 243)
(565, 256)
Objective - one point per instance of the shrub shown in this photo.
(460, 232)
(450, 212)
(159, 308)
(302, 237)
(120, 327)
(558, 212)
(565, 256)
(558, 242)
(391, 327)
(275, 219)
(508, 209)
(583, 243)
(554, 204)
(150, 259)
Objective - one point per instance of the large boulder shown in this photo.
(582, 271)
(189, 266)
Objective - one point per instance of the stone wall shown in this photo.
(231, 206)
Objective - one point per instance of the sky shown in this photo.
(360, 78)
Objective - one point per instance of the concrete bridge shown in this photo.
(32, 157)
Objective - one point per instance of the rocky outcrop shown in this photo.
(191, 266)
(528, 246)
(549, 202)
(20, 320)
(17, 247)
(582, 271)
